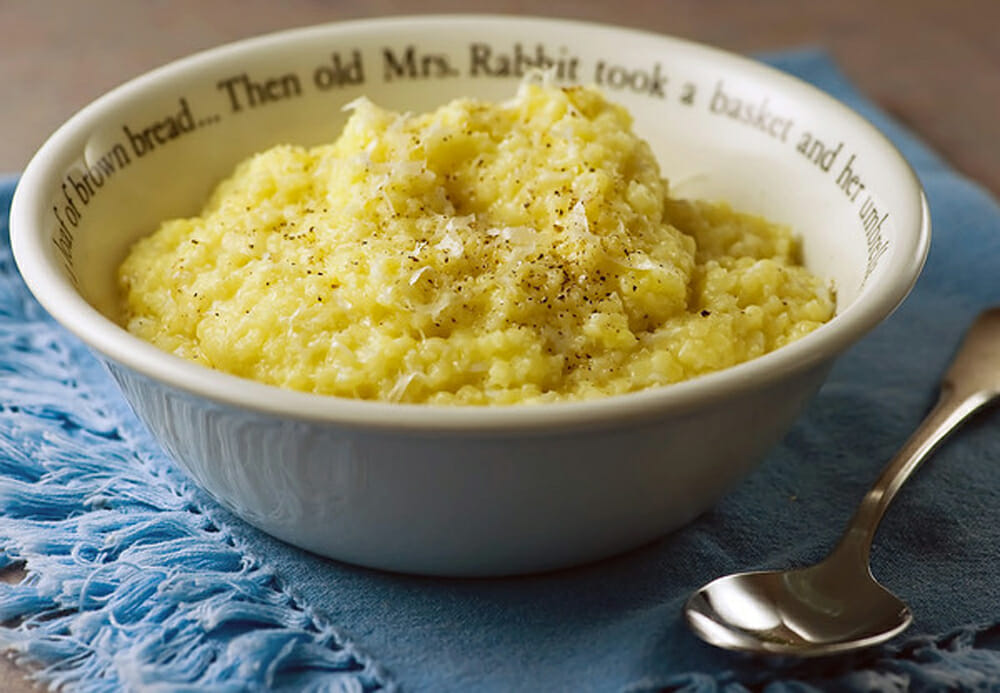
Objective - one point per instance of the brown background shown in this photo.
(934, 65)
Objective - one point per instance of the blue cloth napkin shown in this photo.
(136, 580)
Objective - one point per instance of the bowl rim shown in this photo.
(53, 290)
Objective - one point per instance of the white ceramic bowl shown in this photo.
(467, 491)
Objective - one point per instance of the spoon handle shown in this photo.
(972, 381)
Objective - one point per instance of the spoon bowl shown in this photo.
(837, 605)
(796, 612)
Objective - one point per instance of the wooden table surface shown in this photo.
(932, 64)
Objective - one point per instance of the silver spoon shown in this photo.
(836, 605)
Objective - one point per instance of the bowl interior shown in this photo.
(722, 127)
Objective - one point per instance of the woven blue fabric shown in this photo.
(138, 581)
